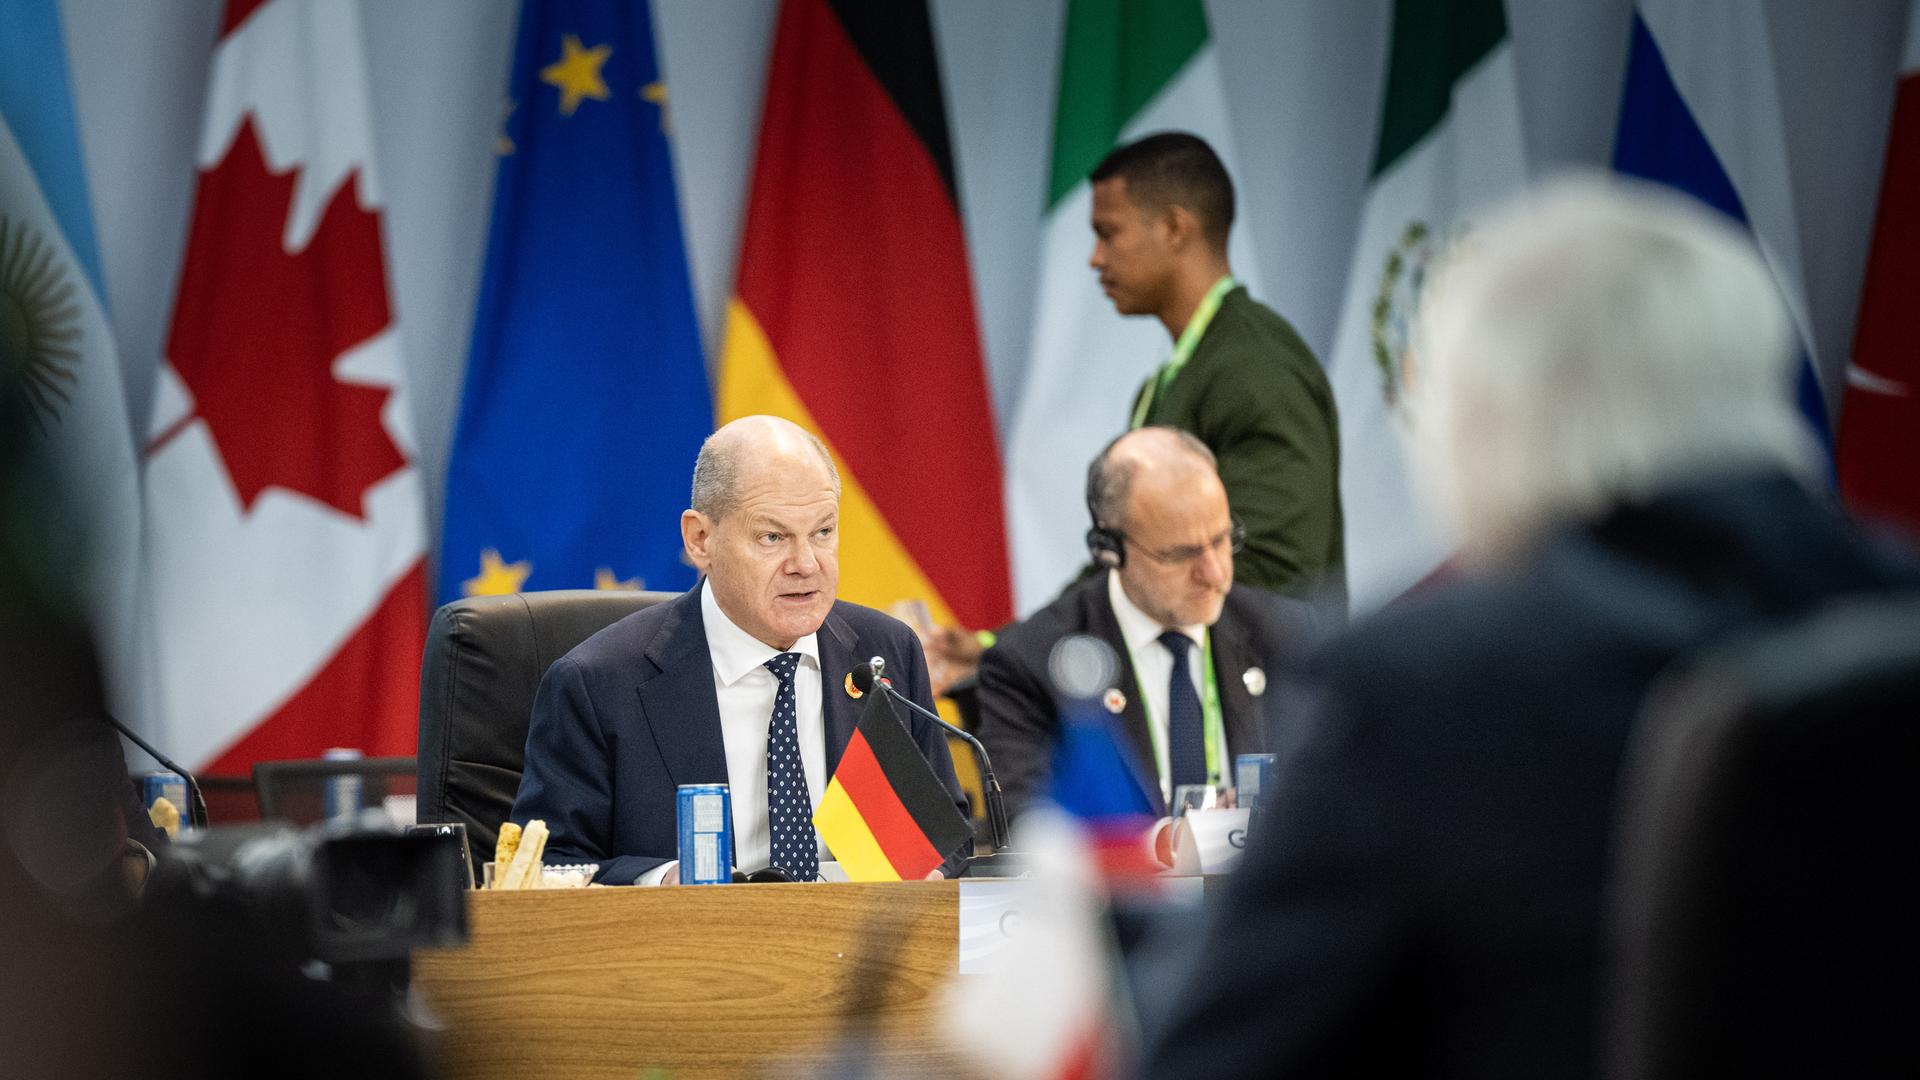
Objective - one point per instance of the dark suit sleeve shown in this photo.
(1276, 445)
(1302, 957)
(1018, 722)
(567, 780)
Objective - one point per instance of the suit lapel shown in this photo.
(1137, 744)
(837, 642)
(1240, 710)
(681, 710)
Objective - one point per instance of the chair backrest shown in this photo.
(1763, 913)
(484, 659)
(306, 791)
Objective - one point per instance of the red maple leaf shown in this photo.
(257, 328)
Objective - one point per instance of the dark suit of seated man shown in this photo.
(741, 681)
(1164, 535)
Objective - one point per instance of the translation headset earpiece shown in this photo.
(1105, 547)
(1104, 544)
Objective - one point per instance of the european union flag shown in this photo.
(586, 396)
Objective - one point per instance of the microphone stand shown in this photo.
(196, 802)
(1001, 862)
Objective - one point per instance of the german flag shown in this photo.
(853, 315)
(884, 813)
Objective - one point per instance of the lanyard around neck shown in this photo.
(1183, 347)
(1209, 710)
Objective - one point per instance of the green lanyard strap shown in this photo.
(1183, 347)
(1209, 709)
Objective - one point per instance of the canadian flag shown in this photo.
(284, 587)
(1878, 450)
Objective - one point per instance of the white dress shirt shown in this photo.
(745, 690)
(1153, 672)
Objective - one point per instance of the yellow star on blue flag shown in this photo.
(584, 320)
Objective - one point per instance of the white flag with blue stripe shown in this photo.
(60, 375)
(1701, 112)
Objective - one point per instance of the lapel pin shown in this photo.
(1256, 681)
(854, 691)
(1115, 701)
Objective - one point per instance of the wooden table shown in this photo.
(733, 980)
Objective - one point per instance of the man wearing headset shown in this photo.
(1197, 654)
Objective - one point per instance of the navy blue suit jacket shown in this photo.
(630, 714)
(1020, 713)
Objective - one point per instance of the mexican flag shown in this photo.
(1127, 69)
(1449, 143)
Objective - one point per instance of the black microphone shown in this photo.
(196, 802)
(868, 678)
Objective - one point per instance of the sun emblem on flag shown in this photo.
(1408, 264)
(39, 325)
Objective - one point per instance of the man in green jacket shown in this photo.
(1240, 378)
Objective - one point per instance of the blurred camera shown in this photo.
(340, 895)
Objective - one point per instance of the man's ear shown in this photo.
(1183, 228)
(696, 535)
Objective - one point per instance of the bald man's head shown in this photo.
(1157, 492)
(765, 527)
(720, 470)
(1172, 455)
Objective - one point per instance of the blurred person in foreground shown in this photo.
(100, 981)
(743, 680)
(1197, 651)
(1603, 409)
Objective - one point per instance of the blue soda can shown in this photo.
(1252, 776)
(170, 786)
(344, 793)
(706, 834)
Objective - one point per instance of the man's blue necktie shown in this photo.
(1186, 732)
(791, 846)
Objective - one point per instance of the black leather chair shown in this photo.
(484, 659)
(1763, 912)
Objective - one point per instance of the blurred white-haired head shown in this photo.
(1598, 340)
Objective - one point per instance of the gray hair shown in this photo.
(1599, 341)
(716, 472)
(1110, 477)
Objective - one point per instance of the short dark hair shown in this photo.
(1175, 168)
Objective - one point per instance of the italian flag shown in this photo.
(1127, 69)
(1449, 144)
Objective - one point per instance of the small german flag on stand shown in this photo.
(884, 813)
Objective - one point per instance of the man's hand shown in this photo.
(952, 655)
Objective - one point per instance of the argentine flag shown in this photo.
(60, 385)
(1701, 112)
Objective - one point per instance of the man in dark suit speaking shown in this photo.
(1196, 652)
(742, 681)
